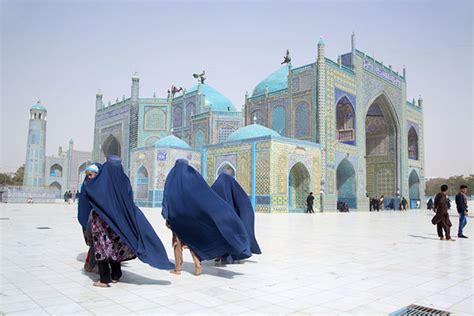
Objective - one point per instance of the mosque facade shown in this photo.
(341, 129)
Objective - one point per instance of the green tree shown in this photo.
(18, 177)
(5, 179)
(453, 183)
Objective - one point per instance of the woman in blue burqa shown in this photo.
(200, 218)
(120, 230)
(230, 190)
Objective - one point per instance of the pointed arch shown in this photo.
(56, 171)
(226, 167)
(345, 121)
(56, 185)
(414, 188)
(382, 143)
(346, 183)
(412, 144)
(142, 183)
(111, 146)
(299, 181)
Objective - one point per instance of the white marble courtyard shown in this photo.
(325, 264)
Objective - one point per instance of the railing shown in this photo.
(345, 135)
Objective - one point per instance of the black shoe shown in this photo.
(462, 236)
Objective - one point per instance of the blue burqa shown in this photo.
(231, 191)
(200, 218)
(110, 195)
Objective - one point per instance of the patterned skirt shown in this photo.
(108, 246)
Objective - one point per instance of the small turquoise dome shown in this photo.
(251, 131)
(38, 106)
(274, 82)
(214, 99)
(172, 141)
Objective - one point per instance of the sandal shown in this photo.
(100, 284)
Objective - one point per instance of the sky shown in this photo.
(62, 52)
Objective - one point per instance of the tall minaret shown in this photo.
(99, 105)
(70, 153)
(321, 122)
(134, 109)
(35, 148)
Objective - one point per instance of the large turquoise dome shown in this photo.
(274, 82)
(172, 141)
(38, 106)
(214, 99)
(251, 131)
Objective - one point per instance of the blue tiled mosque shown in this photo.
(340, 129)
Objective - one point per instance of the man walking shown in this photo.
(461, 205)
(441, 219)
(309, 203)
(404, 204)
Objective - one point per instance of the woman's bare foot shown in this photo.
(178, 272)
(100, 284)
(198, 271)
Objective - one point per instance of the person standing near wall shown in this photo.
(309, 203)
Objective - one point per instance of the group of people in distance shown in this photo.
(71, 196)
(213, 222)
(442, 204)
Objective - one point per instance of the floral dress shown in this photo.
(108, 246)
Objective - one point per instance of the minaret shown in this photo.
(420, 102)
(69, 164)
(134, 109)
(321, 92)
(321, 123)
(35, 148)
(99, 105)
(353, 50)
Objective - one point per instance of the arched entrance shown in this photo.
(346, 184)
(111, 146)
(56, 186)
(412, 144)
(414, 189)
(226, 168)
(381, 146)
(56, 171)
(298, 188)
(142, 183)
